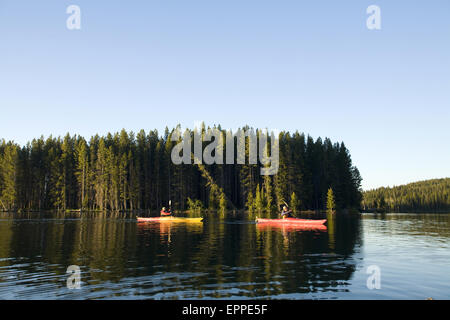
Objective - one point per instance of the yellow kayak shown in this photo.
(170, 219)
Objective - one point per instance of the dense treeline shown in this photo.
(422, 196)
(124, 171)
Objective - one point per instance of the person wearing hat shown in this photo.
(166, 212)
(286, 213)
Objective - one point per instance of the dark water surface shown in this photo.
(229, 257)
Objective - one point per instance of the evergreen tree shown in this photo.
(121, 171)
(8, 170)
(82, 172)
(259, 200)
(250, 204)
(331, 204)
(423, 196)
(295, 203)
(222, 202)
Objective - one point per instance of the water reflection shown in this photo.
(228, 257)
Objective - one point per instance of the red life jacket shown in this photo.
(163, 213)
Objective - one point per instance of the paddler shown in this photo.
(166, 212)
(286, 213)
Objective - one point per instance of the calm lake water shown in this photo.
(228, 258)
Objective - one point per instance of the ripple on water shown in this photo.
(120, 261)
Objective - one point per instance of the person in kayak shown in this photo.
(286, 213)
(165, 212)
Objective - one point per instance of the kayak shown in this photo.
(292, 221)
(291, 226)
(170, 219)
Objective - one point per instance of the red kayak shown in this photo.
(291, 227)
(292, 221)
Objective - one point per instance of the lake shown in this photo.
(228, 257)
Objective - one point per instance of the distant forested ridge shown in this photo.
(126, 171)
(422, 196)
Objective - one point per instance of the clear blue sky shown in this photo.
(295, 65)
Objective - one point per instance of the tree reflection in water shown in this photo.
(223, 257)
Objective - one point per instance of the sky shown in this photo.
(311, 66)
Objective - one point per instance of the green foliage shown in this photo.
(222, 203)
(194, 206)
(268, 197)
(331, 203)
(250, 204)
(123, 171)
(295, 203)
(423, 196)
(8, 175)
(259, 200)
